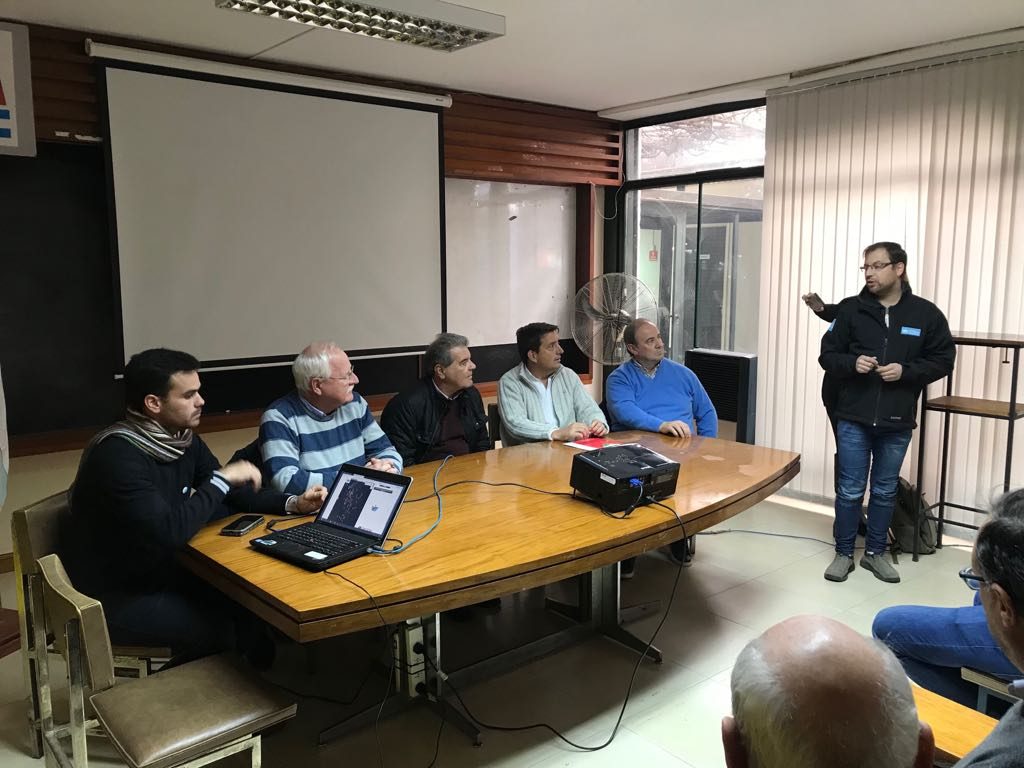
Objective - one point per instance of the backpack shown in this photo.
(904, 521)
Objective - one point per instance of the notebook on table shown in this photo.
(356, 516)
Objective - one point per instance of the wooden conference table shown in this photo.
(492, 541)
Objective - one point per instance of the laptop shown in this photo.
(357, 515)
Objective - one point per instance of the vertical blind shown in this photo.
(930, 157)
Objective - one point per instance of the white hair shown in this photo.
(314, 362)
(776, 735)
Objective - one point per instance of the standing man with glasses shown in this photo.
(884, 348)
(308, 434)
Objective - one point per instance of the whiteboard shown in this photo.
(510, 258)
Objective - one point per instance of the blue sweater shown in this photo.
(302, 446)
(637, 401)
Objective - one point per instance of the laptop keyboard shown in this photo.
(318, 539)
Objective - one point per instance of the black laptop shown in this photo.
(357, 515)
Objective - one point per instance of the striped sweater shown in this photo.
(302, 446)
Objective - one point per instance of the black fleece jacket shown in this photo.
(913, 332)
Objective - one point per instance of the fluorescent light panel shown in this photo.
(427, 23)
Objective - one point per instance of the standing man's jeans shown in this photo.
(933, 643)
(862, 448)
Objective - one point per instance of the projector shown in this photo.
(623, 477)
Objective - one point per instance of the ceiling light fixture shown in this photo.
(427, 23)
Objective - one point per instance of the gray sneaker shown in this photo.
(881, 567)
(840, 568)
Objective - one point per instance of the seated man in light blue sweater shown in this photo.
(654, 394)
(542, 400)
(308, 434)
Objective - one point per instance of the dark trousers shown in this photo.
(191, 618)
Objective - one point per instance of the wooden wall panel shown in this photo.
(485, 137)
(505, 140)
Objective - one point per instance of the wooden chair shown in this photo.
(36, 531)
(190, 715)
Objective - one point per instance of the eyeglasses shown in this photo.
(347, 377)
(973, 581)
(878, 266)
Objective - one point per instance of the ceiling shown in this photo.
(590, 54)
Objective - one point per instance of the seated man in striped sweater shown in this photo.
(308, 434)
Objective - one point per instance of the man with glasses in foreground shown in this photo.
(309, 433)
(997, 572)
(933, 643)
(883, 348)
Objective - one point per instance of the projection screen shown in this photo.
(251, 221)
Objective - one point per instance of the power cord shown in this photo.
(548, 727)
(440, 510)
(387, 650)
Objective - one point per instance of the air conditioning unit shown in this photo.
(730, 379)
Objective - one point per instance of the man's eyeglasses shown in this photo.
(972, 580)
(878, 266)
(347, 377)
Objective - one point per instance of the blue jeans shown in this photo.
(933, 643)
(862, 448)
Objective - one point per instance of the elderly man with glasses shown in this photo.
(883, 348)
(964, 636)
(934, 643)
(309, 433)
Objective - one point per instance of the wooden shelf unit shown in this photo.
(949, 405)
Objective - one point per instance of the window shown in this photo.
(724, 140)
(693, 226)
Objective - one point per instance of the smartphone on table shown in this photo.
(241, 526)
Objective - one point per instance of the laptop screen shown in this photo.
(364, 501)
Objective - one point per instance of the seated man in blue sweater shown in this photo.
(654, 394)
(308, 434)
(651, 393)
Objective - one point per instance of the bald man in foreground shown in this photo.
(811, 692)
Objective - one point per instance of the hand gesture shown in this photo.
(570, 432)
(382, 465)
(866, 364)
(241, 472)
(890, 372)
(311, 500)
(813, 301)
(675, 428)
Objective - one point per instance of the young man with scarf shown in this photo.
(145, 486)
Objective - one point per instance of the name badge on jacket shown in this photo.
(906, 330)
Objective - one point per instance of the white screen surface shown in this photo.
(251, 222)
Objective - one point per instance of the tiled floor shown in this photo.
(740, 584)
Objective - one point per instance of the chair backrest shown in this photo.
(494, 422)
(36, 530)
(63, 603)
